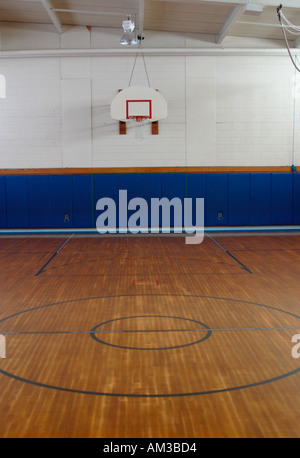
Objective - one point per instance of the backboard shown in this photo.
(139, 102)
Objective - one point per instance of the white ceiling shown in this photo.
(211, 18)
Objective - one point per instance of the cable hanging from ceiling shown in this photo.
(292, 29)
(140, 38)
(130, 37)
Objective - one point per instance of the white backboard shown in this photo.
(139, 101)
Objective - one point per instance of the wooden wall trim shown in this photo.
(87, 171)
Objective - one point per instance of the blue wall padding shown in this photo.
(105, 185)
(69, 201)
(282, 198)
(149, 186)
(195, 189)
(196, 185)
(260, 199)
(296, 198)
(173, 186)
(2, 202)
(216, 202)
(129, 183)
(39, 201)
(238, 199)
(82, 201)
(17, 201)
(61, 201)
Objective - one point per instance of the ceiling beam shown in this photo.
(52, 14)
(234, 16)
(93, 13)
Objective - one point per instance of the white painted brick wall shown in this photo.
(222, 110)
(30, 115)
(255, 107)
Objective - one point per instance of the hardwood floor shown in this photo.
(147, 337)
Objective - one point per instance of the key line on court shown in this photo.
(231, 255)
(149, 275)
(137, 252)
(53, 256)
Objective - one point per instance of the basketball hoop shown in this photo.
(139, 118)
(140, 105)
(138, 123)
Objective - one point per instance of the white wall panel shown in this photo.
(222, 110)
(75, 67)
(30, 115)
(254, 102)
(75, 38)
(201, 111)
(76, 123)
(17, 36)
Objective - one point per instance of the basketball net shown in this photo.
(139, 123)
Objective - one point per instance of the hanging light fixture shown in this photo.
(128, 37)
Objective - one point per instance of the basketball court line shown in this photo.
(25, 252)
(115, 296)
(53, 256)
(271, 250)
(149, 396)
(129, 331)
(169, 254)
(228, 252)
(93, 332)
(66, 275)
(43, 269)
(149, 252)
(148, 275)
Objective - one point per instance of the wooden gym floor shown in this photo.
(147, 337)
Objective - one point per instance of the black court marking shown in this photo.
(233, 257)
(208, 332)
(111, 260)
(199, 393)
(243, 266)
(130, 252)
(52, 257)
(25, 252)
(128, 331)
(162, 395)
(270, 250)
(148, 275)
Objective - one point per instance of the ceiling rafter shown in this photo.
(52, 14)
(235, 15)
(209, 21)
